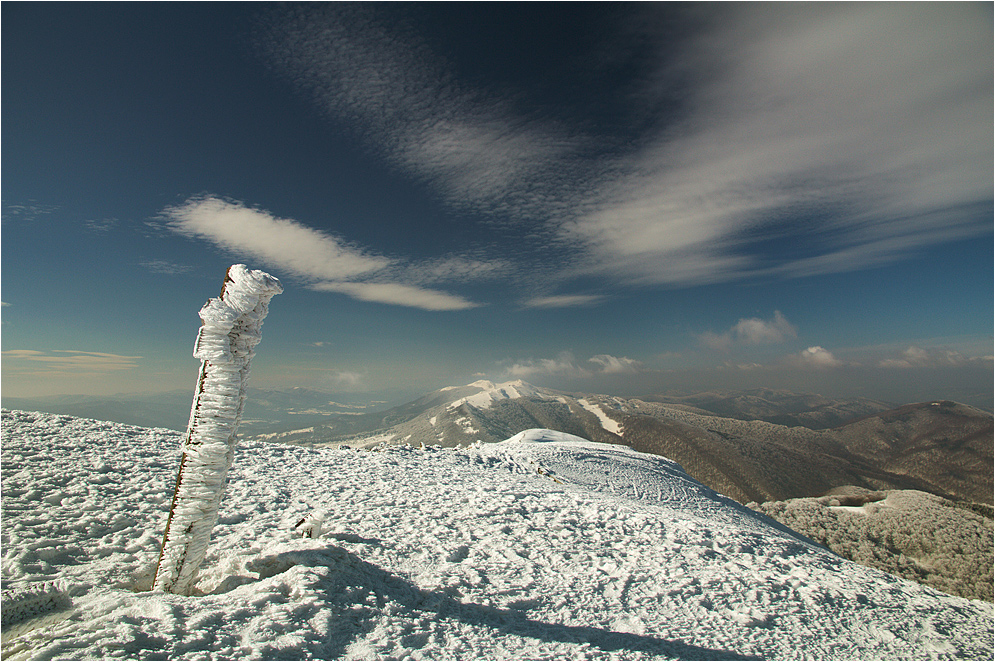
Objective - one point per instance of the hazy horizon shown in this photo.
(609, 198)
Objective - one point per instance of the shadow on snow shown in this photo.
(354, 594)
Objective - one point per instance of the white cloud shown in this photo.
(720, 342)
(283, 243)
(343, 379)
(565, 365)
(751, 331)
(564, 301)
(165, 267)
(456, 268)
(933, 357)
(315, 256)
(878, 114)
(562, 366)
(26, 212)
(398, 294)
(817, 357)
(102, 225)
(29, 361)
(615, 364)
(870, 121)
(756, 331)
(387, 84)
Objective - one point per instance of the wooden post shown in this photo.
(232, 327)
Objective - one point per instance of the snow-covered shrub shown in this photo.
(232, 327)
(915, 535)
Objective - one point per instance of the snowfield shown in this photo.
(544, 546)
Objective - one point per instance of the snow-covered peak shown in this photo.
(490, 393)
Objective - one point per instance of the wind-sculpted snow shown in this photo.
(529, 549)
(226, 341)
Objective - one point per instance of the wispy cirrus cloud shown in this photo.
(563, 365)
(166, 267)
(809, 139)
(564, 301)
(27, 212)
(398, 294)
(932, 357)
(326, 262)
(67, 361)
(388, 85)
(870, 123)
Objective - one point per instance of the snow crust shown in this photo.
(545, 546)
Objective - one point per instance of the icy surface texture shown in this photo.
(544, 548)
(225, 345)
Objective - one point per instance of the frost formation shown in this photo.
(232, 327)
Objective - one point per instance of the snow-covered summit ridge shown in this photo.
(543, 548)
(619, 471)
(540, 436)
(489, 393)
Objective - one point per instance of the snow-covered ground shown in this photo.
(545, 546)
(607, 423)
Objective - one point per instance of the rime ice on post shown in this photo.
(225, 344)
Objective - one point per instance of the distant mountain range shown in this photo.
(730, 442)
(757, 445)
(266, 410)
(777, 406)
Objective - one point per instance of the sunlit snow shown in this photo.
(490, 393)
(607, 423)
(544, 546)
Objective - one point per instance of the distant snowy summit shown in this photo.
(729, 441)
(489, 393)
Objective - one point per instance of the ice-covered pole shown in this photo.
(232, 327)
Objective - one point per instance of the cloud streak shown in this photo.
(383, 80)
(616, 365)
(326, 262)
(66, 361)
(565, 365)
(810, 139)
(399, 295)
(870, 122)
(932, 357)
(564, 301)
(292, 246)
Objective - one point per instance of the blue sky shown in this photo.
(601, 197)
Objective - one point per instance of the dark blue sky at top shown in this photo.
(528, 187)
